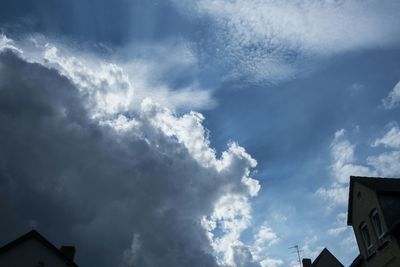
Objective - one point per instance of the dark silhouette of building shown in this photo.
(374, 214)
(33, 250)
(324, 259)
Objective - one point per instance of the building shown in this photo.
(374, 214)
(33, 250)
(324, 259)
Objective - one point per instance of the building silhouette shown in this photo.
(374, 214)
(33, 250)
(324, 259)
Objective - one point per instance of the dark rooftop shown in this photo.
(34, 234)
(387, 189)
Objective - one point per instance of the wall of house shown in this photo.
(364, 201)
(30, 253)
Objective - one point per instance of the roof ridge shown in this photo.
(35, 234)
(325, 251)
(376, 184)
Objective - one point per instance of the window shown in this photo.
(376, 222)
(366, 238)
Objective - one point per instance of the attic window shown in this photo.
(369, 247)
(376, 222)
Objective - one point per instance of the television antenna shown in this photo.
(296, 247)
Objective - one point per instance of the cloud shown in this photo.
(386, 163)
(171, 69)
(127, 185)
(242, 257)
(393, 99)
(349, 243)
(343, 159)
(272, 40)
(119, 82)
(279, 217)
(340, 228)
(356, 88)
(231, 215)
(337, 231)
(342, 167)
(345, 164)
(265, 236)
(269, 262)
(336, 194)
(390, 140)
(340, 225)
(8, 44)
(310, 249)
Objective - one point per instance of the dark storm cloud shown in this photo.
(133, 198)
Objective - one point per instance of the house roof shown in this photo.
(387, 189)
(34, 234)
(357, 261)
(326, 253)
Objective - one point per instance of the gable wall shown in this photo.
(386, 256)
(326, 261)
(30, 253)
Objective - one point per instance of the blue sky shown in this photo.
(310, 90)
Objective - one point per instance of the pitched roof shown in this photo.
(326, 253)
(383, 186)
(357, 261)
(34, 234)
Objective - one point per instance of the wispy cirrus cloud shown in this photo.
(271, 40)
(391, 139)
(271, 262)
(264, 238)
(393, 99)
(345, 163)
(340, 226)
(344, 160)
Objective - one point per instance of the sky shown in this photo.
(194, 133)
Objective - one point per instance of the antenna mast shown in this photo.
(298, 253)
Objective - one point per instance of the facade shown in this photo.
(374, 214)
(324, 259)
(33, 250)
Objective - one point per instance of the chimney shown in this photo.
(306, 262)
(68, 251)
